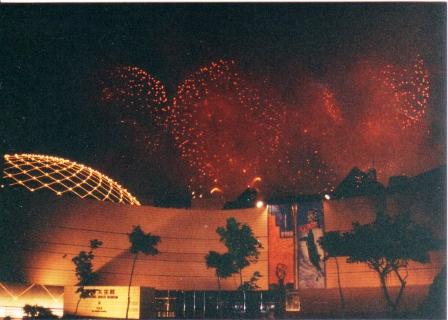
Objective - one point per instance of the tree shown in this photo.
(252, 283)
(246, 199)
(37, 312)
(224, 268)
(84, 271)
(222, 263)
(386, 245)
(243, 247)
(140, 242)
(330, 242)
(434, 306)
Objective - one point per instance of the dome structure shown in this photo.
(35, 172)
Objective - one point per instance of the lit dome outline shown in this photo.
(37, 171)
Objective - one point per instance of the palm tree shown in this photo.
(140, 242)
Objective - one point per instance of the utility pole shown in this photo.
(294, 210)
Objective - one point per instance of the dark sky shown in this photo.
(52, 59)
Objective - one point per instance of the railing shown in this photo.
(214, 304)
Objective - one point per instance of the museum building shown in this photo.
(60, 226)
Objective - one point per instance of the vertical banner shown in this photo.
(310, 254)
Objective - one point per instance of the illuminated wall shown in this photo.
(281, 251)
(13, 297)
(339, 215)
(65, 226)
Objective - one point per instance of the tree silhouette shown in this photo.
(386, 246)
(140, 242)
(252, 283)
(246, 199)
(224, 268)
(241, 243)
(222, 263)
(330, 242)
(37, 312)
(434, 306)
(84, 271)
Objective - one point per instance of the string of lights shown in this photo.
(35, 172)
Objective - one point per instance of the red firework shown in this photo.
(138, 100)
(223, 128)
(410, 87)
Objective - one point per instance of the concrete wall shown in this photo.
(14, 296)
(339, 215)
(281, 251)
(360, 303)
(65, 226)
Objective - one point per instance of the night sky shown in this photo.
(170, 99)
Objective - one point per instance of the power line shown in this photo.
(118, 257)
(127, 274)
(125, 233)
(121, 249)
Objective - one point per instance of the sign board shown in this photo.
(292, 301)
(110, 302)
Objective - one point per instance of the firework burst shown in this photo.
(410, 87)
(222, 126)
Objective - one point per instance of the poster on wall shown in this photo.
(310, 255)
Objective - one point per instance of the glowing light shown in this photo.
(327, 197)
(255, 180)
(12, 304)
(215, 189)
(35, 172)
(259, 204)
